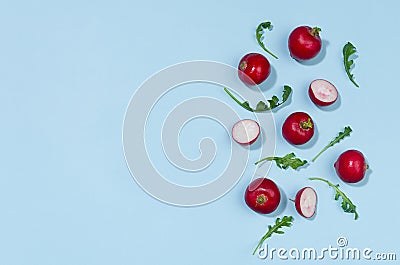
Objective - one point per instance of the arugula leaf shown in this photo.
(349, 50)
(347, 205)
(262, 106)
(285, 222)
(244, 104)
(346, 132)
(289, 160)
(259, 36)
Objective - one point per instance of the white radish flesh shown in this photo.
(306, 202)
(322, 92)
(245, 131)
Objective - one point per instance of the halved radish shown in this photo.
(245, 131)
(306, 202)
(322, 92)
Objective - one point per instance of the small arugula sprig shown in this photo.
(349, 50)
(286, 221)
(346, 132)
(260, 36)
(289, 160)
(347, 205)
(262, 106)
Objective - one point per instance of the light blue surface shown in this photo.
(67, 72)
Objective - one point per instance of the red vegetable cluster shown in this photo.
(263, 195)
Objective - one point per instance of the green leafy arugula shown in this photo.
(347, 205)
(260, 36)
(346, 132)
(286, 221)
(349, 50)
(262, 106)
(289, 160)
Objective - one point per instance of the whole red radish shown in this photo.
(304, 42)
(262, 196)
(306, 202)
(298, 128)
(322, 92)
(246, 131)
(351, 166)
(253, 69)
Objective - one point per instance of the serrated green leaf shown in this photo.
(346, 204)
(285, 222)
(260, 32)
(346, 132)
(287, 90)
(289, 160)
(246, 104)
(350, 63)
(273, 102)
(262, 106)
(349, 50)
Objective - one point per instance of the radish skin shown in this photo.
(298, 128)
(351, 166)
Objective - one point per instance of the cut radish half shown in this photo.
(245, 132)
(322, 92)
(306, 202)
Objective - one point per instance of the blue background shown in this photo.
(67, 72)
